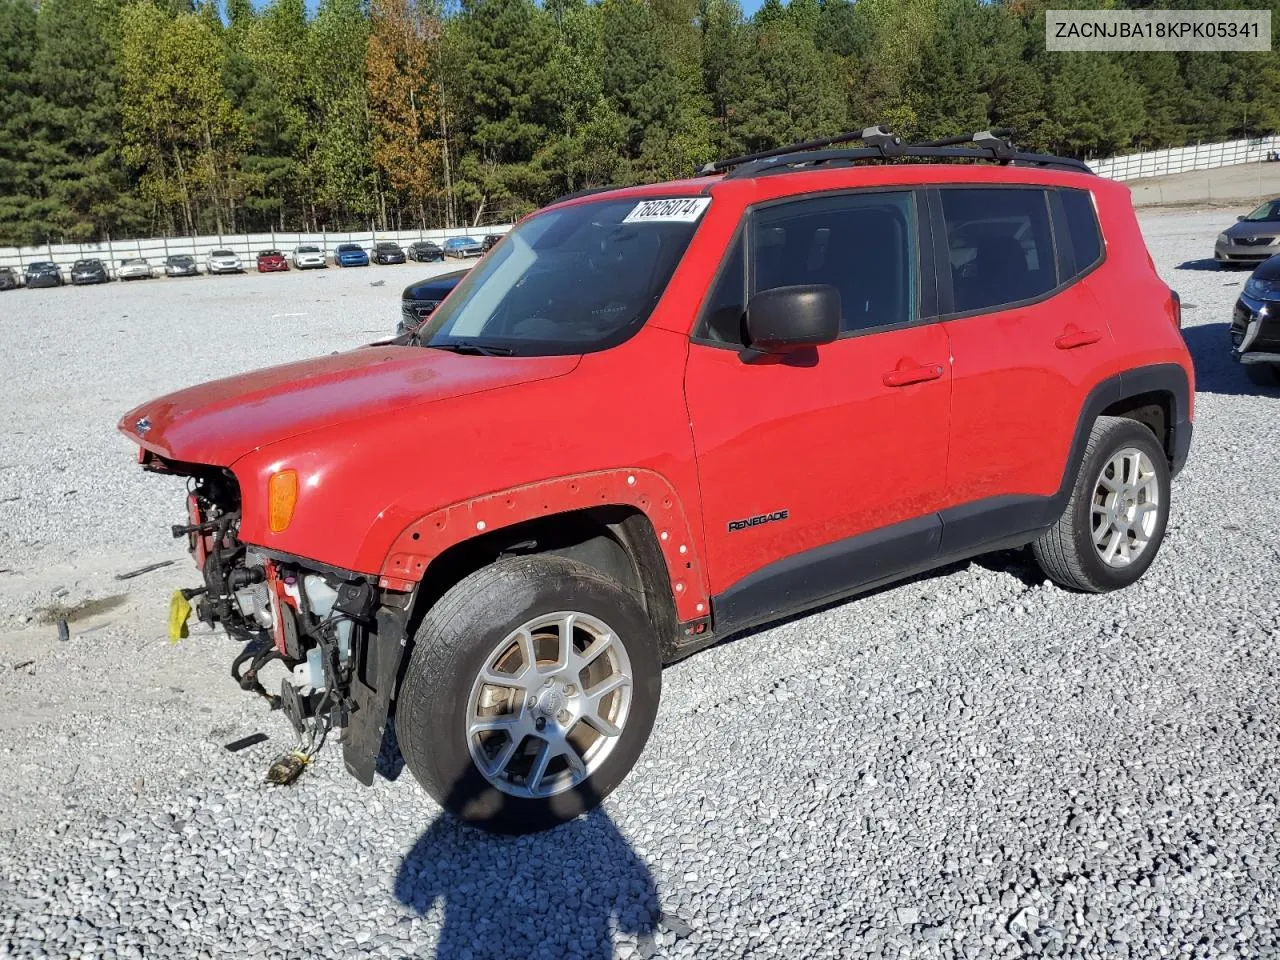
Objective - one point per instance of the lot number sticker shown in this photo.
(682, 210)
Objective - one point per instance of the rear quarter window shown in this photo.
(1082, 231)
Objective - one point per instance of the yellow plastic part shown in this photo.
(179, 611)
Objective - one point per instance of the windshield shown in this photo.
(180, 259)
(1268, 211)
(222, 253)
(308, 249)
(572, 280)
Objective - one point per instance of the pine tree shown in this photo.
(265, 76)
(22, 210)
(508, 103)
(341, 163)
(78, 123)
(788, 89)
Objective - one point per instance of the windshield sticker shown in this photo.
(682, 210)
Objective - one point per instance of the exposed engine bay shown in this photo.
(281, 609)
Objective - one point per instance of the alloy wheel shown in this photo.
(549, 705)
(1126, 507)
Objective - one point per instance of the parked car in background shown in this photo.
(89, 271)
(134, 268)
(490, 241)
(463, 247)
(420, 299)
(350, 255)
(43, 273)
(272, 261)
(181, 265)
(387, 252)
(9, 279)
(1255, 325)
(308, 257)
(425, 251)
(1252, 238)
(222, 261)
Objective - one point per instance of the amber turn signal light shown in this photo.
(282, 496)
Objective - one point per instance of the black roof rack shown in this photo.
(880, 144)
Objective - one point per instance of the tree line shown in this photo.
(124, 118)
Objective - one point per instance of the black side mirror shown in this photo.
(1238, 219)
(787, 319)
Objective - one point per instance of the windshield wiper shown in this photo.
(471, 347)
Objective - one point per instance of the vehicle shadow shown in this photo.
(390, 762)
(1206, 264)
(1216, 372)
(561, 893)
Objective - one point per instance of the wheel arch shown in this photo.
(1158, 396)
(629, 524)
(617, 540)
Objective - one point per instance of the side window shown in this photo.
(724, 312)
(1000, 246)
(1082, 228)
(863, 244)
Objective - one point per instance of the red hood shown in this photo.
(219, 422)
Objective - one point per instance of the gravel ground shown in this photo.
(972, 764)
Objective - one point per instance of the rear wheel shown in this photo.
(1115, 520)
(1263, 374)
(530, 693)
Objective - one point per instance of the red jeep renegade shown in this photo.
(654, 416)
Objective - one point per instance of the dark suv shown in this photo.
(656, 416)
(420, 299)
(1255, 325)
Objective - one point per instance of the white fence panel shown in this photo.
(1201, 156)
(246, 246)
(1155, 163)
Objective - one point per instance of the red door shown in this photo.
(822, 453)
(824, 470)
(1035, 340)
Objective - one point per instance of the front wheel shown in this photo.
(530, 693)
(1115, 520)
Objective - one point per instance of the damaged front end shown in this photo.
(321, 623)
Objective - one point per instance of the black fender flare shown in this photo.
(1168, 378)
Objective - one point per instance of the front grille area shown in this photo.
(1253, 241)
(1267, 339)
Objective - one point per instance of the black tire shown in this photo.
(1263, 374)
(1066, 551)
(450, 648)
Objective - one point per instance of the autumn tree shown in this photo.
(404, 36)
